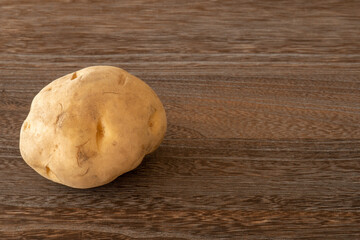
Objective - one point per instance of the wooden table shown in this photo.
(263, 106)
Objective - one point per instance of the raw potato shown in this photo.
(87, 128)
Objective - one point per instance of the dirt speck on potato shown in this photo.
(74, 76)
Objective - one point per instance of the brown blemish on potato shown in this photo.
(81, 157)
(73, 76)
(60, 119)
(151, 120)
(47, 170)
(48, 89)
(50, 174)
(100, 132)
(26, 126)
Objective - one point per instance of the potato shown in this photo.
(87, 128)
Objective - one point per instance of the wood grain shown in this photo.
(263, 106)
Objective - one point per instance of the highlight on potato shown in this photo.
(88, 127)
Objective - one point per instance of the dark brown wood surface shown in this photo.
(263, 106)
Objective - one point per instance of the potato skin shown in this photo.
(87, 128)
